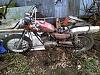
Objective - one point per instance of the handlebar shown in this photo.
(33, 9)
(35, 6)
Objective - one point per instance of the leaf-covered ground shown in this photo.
(54, 61)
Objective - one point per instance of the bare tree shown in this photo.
(7, 5)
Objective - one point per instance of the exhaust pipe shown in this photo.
(86, 29)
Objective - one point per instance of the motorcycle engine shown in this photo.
(62, 33)
(61, 36)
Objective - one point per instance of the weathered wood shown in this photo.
(11, 30)
(73, 7)
(46, 18)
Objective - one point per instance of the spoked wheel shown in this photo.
(17, 44)
(84, 43)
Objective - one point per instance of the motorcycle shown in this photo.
(76, 35)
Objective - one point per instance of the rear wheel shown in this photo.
(17, 44)
(84, 42)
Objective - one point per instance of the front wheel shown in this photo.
(83, 42)
(17, 44)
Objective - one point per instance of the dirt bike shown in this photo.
(77, 36)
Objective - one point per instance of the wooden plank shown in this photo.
(11, 30)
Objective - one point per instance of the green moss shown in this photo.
(1, 10)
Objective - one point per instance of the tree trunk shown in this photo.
(4, 15)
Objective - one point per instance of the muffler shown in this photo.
(85, 29)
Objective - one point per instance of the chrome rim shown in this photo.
(13, 43)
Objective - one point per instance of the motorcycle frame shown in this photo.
(30, 35)
(73, 36)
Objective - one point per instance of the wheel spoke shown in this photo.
(13, 44)
(84, 43)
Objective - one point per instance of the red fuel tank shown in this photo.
(45, 26)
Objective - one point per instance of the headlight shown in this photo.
(27, 20)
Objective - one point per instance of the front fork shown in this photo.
(20, 41)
